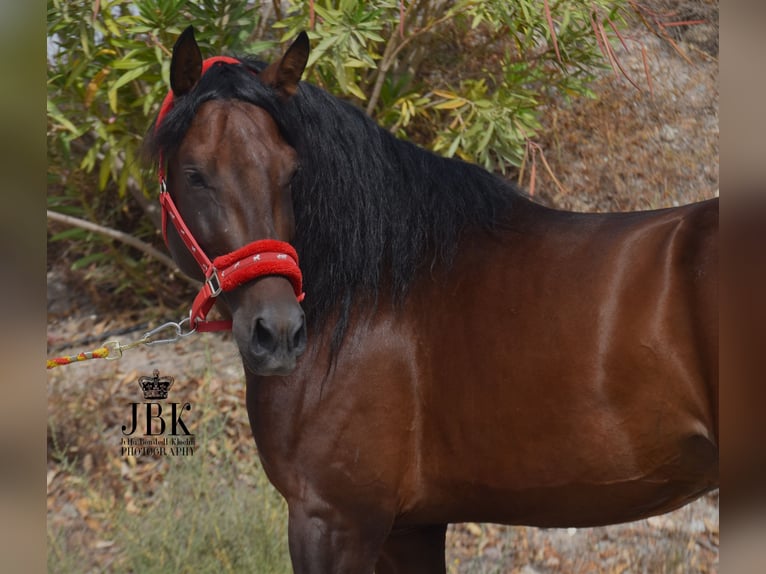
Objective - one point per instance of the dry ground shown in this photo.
(625, 150)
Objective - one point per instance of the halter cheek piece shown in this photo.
(256, 259)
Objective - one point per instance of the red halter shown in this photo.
(224, 273)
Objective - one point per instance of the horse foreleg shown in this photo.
(325, 541)
(414, 550)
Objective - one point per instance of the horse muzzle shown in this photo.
(271, 336)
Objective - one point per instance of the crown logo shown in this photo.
(155, 387)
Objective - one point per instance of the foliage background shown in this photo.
(466, 78)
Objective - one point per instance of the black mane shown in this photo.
(371, 211)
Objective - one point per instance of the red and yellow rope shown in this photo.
(112, 350)
(100, 353)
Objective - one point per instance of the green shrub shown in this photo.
(467, 78)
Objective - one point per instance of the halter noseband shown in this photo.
(256, 259)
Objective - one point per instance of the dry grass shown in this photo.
(628, 149)
(213, 511)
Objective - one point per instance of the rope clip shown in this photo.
(177, 336)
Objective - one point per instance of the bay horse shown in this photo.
(462, 353)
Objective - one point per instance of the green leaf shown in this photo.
(60, 119)
(87, 260)
(104, 172)
(262, 46)
(356, 90)
(487, 137)
(451, 104)
(321, 48)
(354, 63)
(453, 147)
(112, 96)
(129, 76)
(68, 234)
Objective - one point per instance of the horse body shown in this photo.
(559, 395)
(465, 354)
(570, 386)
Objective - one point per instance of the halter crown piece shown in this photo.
(256, 259)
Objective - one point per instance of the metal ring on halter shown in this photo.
(214, 283)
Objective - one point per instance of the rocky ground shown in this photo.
(625, 150)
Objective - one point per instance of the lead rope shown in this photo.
(112, 350)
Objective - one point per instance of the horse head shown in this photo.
(229, 178)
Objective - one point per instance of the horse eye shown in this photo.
(195, 178)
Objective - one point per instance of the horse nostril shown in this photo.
(265, 339)
(299, 336)
(274, 334)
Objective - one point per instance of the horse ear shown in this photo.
(284, 75)
(186, 64)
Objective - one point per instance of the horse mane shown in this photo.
(372, 212)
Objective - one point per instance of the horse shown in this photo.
(462, 352)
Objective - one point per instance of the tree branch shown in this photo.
(120, 236)
(394, 48)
